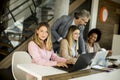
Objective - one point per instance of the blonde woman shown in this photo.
(62, 24)
(40, 48)
(69, 45)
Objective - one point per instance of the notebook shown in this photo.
(101, 68)
(100, 58)
(83, 61)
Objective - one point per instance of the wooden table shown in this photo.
(67, 76)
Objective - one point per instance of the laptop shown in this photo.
(83, 61)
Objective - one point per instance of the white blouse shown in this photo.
(75, 53)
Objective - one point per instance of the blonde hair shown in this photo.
(69, 36)
(38, 41)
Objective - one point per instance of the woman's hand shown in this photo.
(70, 61)
(109, 53)
(62, 64)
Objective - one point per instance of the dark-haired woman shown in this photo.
(92, 45)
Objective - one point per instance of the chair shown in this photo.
(19, 57)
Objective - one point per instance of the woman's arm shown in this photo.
(37, 55)
(57, 58)
(64, 49)
(56, 26)
(96, 47)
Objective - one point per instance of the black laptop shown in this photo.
(83, 61)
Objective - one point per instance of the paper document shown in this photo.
(101, 68)
(100, 58)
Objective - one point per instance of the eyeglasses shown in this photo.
(85, 21)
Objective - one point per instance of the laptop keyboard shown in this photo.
(64, 68)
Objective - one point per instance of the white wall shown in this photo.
(94, 13)
(116, 44)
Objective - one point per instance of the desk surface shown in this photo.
(47, 73)
(115, 57)
(113, 75)
(38, 70)
(51, 73)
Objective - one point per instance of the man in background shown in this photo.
(62, 24)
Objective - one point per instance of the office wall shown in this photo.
(111, 23)
(116, 45)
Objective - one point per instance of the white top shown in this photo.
(91, 49)
(75, 53)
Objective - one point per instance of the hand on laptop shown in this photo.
(62, 64)
(109, 53)
(70, 61)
